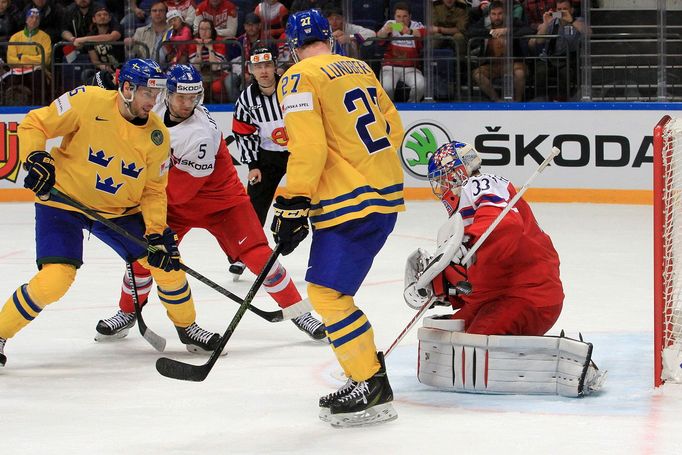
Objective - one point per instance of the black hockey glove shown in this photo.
(290, 224)
(41, 173)
(163, 250)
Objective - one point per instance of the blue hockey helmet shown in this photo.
(450, 167)
(306, 27)
(185, 80)
(142, 73)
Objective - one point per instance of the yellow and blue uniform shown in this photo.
(343, 135)
(113, 166)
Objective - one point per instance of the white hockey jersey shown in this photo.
(482, 190)
(194, 142)
(202, 179)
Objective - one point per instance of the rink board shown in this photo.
(607, 151)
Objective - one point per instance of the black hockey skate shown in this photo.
(3, 357)
(369, 402)
(236, 269)
(311, 326)
(326, 400)
(198, 340)
(115, 327)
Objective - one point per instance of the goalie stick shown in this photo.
(467, 257)
(157, 341)
(186, 371)
(270, 316)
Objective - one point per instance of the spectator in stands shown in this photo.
(50, 17)
(480, 9)
(450, 20)
(29, 64)
(347, 36)
(150, 35)
(402, 56)
(139, 15)
(253, 33)
(9, 24)
(274, 16)
(179, 31)
(558, 54)
(492, 50)
(186, 8)
(222, 13)
(210, 59)
(105, 56)
(535, 10)
(76, 25)
(302, 5)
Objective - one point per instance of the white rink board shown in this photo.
(601, 149)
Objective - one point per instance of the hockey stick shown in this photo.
(270, 316)
(157, 342)
(229, 140)
(467, 257)
(187, 372)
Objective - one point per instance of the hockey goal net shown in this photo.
(668, 251)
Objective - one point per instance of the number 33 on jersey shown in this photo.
(339, 119)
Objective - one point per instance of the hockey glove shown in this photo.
(290, 223)
(162, 250)
(41, 173)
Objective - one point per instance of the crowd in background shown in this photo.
(217, 36)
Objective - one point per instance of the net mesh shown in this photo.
(672, 250)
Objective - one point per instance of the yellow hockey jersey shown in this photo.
(103, 161)
(343, 135)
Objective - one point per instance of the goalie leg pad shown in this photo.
(506, 364)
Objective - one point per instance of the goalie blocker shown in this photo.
(504, 364)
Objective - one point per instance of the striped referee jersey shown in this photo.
(257, 124)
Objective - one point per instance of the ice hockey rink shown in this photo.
(61, 392)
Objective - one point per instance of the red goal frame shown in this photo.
(659, 248)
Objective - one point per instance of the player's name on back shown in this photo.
(344, 68)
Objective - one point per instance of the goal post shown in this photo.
(667, 141)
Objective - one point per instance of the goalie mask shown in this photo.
(449, 169)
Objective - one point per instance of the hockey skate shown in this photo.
(3, 357)
(198, 340)
(368, 403)
(236, 269)
(314, 328)
(326, 400)
(115, 327)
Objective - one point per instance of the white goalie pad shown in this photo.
(497, 364)
(421, 268)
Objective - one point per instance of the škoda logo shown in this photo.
(9, 151)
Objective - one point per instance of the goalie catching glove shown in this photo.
(421, 268)
(290, 222)
(162, 250)
(41, 173)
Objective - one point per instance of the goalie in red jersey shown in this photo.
(507, 295)
(514, 274)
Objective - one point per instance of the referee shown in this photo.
(259, 131)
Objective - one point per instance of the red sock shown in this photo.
(143, 281)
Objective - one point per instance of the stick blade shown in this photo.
(182, 371)
(156, 341)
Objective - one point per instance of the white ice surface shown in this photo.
(63, 393)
